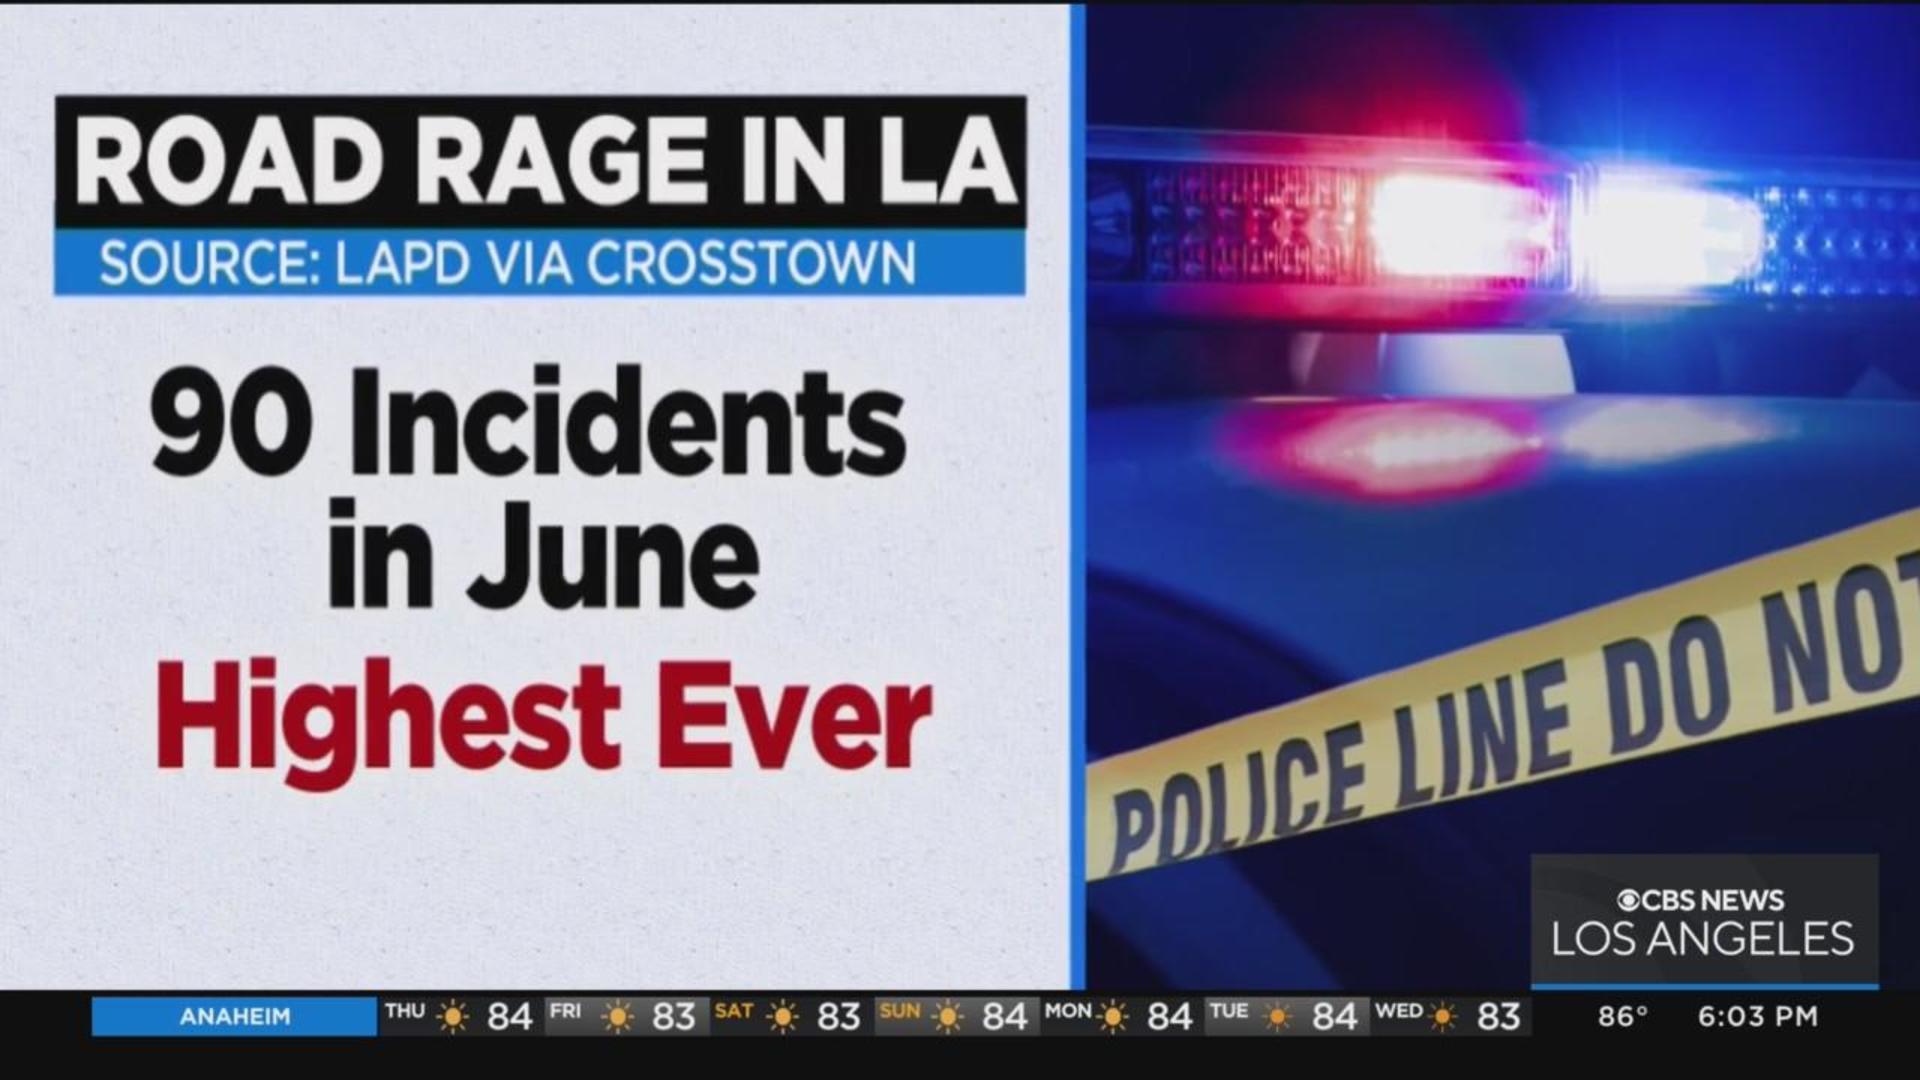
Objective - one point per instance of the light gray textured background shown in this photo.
(953, 572)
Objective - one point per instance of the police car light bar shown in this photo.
(1381, 232)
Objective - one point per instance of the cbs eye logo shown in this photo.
(1631, 900)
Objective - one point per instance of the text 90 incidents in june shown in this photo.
(328, 730)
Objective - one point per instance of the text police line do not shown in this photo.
(1799, 650)
(426, 162)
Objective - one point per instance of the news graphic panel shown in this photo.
(526, 497)
(596, 525)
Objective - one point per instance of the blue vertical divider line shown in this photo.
(1076, 543)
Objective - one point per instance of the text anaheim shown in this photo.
(327, 732)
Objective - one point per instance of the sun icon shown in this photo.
(453, 1017)
(1444, 1017)
(784, 1017)
(947, 1017)
(619, 1017)
(1278, 1018)
(1113, 1017)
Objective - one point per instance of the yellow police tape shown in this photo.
(1796, 635)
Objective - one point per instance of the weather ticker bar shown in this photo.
(1625, 1012)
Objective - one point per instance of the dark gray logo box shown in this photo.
(1706, 919)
